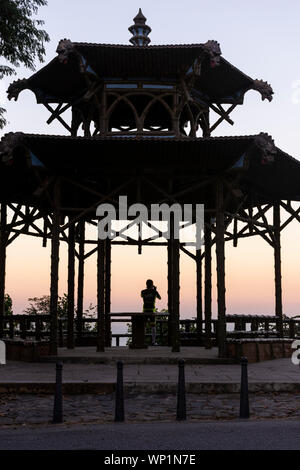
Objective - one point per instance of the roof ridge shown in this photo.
(134, 137)
(128, 46)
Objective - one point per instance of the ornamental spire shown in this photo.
(140, 30)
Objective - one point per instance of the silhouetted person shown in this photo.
(149, 296)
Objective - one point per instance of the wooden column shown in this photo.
(170, 290)
(277, 268)
(80, 283)
(199, 294)
(220, 253)
(71, 285)
(54, 270)
(175, 289)
(100, 295)
(207, 280)
(3, 241)
(107, 301)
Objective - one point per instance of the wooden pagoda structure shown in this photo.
(145, 112)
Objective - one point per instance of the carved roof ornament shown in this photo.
(64, 49)
(15, 88)
(7, 145)
(266, 145)
(140, 30)
(264, 88)
(213, 50)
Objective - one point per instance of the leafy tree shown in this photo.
(41, 305)
(21, 38)
(8, 305)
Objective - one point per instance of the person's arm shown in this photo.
(157, 294)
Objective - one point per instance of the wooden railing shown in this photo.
(37, 327)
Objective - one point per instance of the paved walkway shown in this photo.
(26, 392)
(33, 410)
(277, 375)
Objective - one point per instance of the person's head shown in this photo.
(149, 283)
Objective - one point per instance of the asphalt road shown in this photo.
(238, 435)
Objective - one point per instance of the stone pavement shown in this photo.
(33, 410)
(26, 392)
(277, 375)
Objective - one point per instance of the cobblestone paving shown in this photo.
(32, 410)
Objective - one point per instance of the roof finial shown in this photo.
(140, 30)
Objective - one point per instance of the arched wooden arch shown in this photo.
(119, 99)
(153, 102)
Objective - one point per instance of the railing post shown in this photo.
(23, 328)
(292, 328)
(119, 409)
(181, 400)
(58, 398)
(244, 394)
(38, 329)
(60, 333)
(11, 328)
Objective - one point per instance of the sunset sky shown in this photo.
(261, 39)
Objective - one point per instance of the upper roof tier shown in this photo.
(207, 74)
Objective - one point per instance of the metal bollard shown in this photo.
(181, 401)
(244, 394)
(58, 398)
(119, 409)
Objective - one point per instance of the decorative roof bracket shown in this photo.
(266, 146)
(7, 145)
(16, 87)
(211, 50)
(264, 88)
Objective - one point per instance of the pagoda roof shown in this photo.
(266, 171)
(63, 82)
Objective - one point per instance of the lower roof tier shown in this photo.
(147, 170)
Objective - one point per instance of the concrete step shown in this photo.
(156, 355)
(134, 360)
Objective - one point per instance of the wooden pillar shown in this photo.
(80, 283)
(170, 290)
(3, 241)
(220, 254)
(199, 294)
(207, 286)
(100, 295)
(54, 270)
(71, 285)
(175, 289)
(107, 301)
(277, 268)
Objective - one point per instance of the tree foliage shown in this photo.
(8, 305)
(21, 37)
(41, 305)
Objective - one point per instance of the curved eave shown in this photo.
(58, 82)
